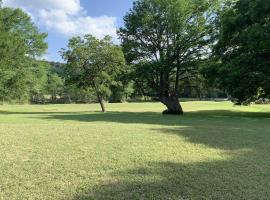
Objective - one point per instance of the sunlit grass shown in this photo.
(215, 151)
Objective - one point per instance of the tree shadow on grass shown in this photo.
(241, 172)
(142, 117)
(4, 112)
(154, 118)
(230, 114)
(237, 178)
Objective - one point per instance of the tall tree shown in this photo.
(242, 54)
(165, 39)
(20, 44)
(94, 63)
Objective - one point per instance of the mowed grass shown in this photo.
(215, 151)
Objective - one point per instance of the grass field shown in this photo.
(214, 151)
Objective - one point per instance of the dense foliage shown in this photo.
(242, 54)
(164, 44)
(20, 44)
(165, 40)
(96, 64)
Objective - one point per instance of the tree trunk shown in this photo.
(100, 99)
(169, 97)
(172, 104)
(69, 98)
(102, 104)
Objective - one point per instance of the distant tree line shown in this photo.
(169, 49)
(57, 89)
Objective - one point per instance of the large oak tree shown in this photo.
(165, 40)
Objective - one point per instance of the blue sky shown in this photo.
(62, 19)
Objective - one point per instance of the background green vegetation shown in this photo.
(134, 152)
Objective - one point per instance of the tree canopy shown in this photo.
(20, 44)
(94, 63)
(242, 54)
(163, 46)
(164, 40)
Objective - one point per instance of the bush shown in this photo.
(262, 101)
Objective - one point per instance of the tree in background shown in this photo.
(94, 63)
(123, 87)
(242, 55)
(165, 40)
(38, 81)
(55, 86)
(20, 45)
(60, 90)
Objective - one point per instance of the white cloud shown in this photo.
(78, 24)
(68, 6)
(66, 17)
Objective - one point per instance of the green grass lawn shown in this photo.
(215, 151)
